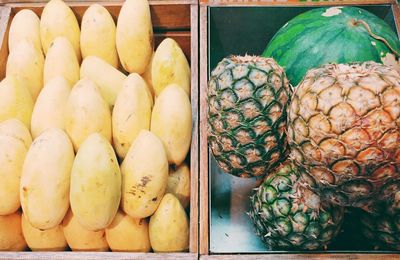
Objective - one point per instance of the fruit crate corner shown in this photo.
(227, 12)
(177, 19)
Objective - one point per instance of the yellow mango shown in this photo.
(16, 129)
(49, 109)
(95, 183)
(45, 179)
(26, 62)
(15, 101)
(169, 226)
(58, 20)
(25, 26)
(179, 184)
(80, 239)
(61, 61)
(134, 35)
(98, 35)
(171, 121)
(11, 237)
(127, 234)
(108, 79)
(12, 155)
(43, 240)
(148, 78)
(144, 176)
(170, 66)
(131, 113)
(86, 112)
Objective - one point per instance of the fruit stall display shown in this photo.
(98, 129)
(299, 133)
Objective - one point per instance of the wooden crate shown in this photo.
(205, 155)
(174, 19)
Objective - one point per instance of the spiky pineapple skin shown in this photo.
(287, 214)
(381, 225)
(344, 128)
(247, 99)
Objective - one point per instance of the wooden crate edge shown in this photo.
(194, 151)
(204, 192)
(308, 256)
(152, 2)
(92, 256)
(292, 2)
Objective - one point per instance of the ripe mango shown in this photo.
(179, 184)
(169, 226)
(12, 156)
(98, 35)
(61, 61)
(131, 113)
(49, 109)
(58, 20)
(15, 101)
(170, 66)
(144, 176)
(11, 237)
(16, 129)
(126, 234)
(86, 112)
(148, 78)
(95, 183)
(25, 26)
(171, 121)
(134, 35)
(107, 78)
(26, 62)
(80, 239)
(45, 179)
(43, 240)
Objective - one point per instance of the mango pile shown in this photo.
(95, 130)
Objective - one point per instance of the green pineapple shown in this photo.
(382, 224)
(247, 101)
(287, 214)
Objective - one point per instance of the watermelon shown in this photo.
(331, 35)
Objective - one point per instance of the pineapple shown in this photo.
(247, 101)
(382, 224)
(343, 127)
(287, 214)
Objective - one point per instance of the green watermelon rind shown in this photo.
(311, 39)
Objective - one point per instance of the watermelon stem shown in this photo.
(356, 22)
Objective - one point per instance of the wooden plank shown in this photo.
(163, 16)
(92, 256)
(292, 2)
(194, 150)
(308, 256)
(204, 199)
(396, 15)
(5, 13)
(170, 2)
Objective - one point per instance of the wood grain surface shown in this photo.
(292, 2)
(204, 199)
(93, 256)
(5, 14)
(303, 256)
(194, 150)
